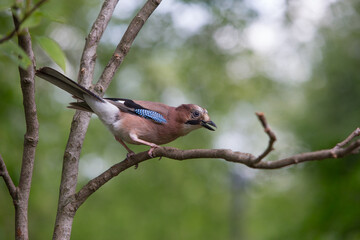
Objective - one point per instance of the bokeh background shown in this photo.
(298, 61)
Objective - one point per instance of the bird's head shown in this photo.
(194, 117)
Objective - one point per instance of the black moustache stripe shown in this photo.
(193, 122)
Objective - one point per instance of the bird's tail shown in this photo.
(65, 83)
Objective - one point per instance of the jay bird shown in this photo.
(134, 122)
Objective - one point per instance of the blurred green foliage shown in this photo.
(200, 52)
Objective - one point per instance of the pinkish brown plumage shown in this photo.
(135, 122)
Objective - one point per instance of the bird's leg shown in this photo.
(152, 149)
(135, 138)
(130, 152)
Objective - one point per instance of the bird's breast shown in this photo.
(144, 129)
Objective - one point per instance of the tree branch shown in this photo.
(7, 179)
(226, 154)
(88, 58)
(124, 45)
(31, 137)
(17, 26)
(309, 156)
(81, 119)
(106, 176)
(79, 125)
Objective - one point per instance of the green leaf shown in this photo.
(33, 21)
(54, 51)
(15, 53)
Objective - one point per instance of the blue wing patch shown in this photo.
(148, 114)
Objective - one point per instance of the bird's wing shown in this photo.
(148, 110)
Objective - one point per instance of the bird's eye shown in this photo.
(195, 114)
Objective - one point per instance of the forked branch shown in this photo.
(125, 44)
(270, 133)
(80, 122)
(342, 149)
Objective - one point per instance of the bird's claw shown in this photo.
(150, 153)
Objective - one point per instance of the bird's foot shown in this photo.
(153, 146)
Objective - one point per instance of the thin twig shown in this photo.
(310, 156)
(270, 133)
(26, 16)
(8, 181)
(354, 134)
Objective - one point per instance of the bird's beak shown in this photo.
(208, 125)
